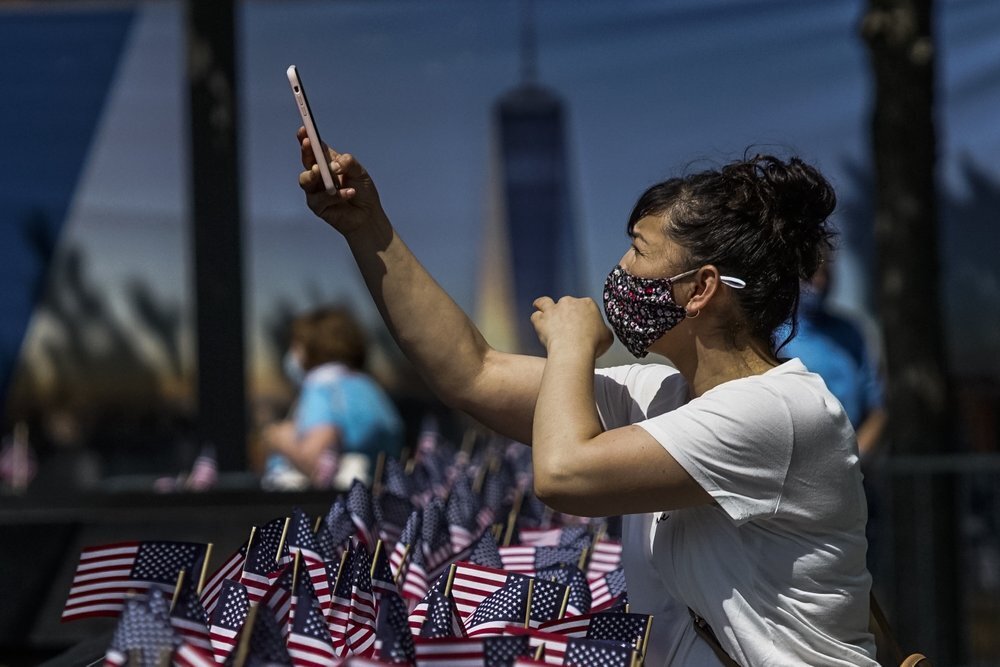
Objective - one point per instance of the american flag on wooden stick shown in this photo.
(107, 574)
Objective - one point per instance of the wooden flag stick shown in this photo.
(317, 524)
(163, 659)
(177, 588)
(538, 651)
(511, 521)
(204, 568)
(635, 662)
(479, 479)
(402, 563)
(497, 530)
(468, 441)
(243, 648)
(527, 611)
(281, 542)
(295, 570)
(340, 569)
(602, 530)
(378, 550)
(377, 478)
(645, 635)
(584, 557)
(565, 603)
(451, 579)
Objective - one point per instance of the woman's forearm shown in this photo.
(565, 417)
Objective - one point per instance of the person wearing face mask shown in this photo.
(342, 418)
(737, 472)
(835, 347)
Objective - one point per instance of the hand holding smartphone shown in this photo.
(302, 102)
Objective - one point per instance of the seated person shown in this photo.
(342, 418)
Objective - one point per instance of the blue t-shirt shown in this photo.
(834, 348)
(364, 416)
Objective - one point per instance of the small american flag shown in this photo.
(529, 560)
(407, 540)
(266, 647)
(327, 548)
(361, 620)
(382, 579)
(484, 551)
(630, 629)
(394, 480)
(506, 606)
(359, 507)
(606, 557)
(393, 637)
(417, 617)
(461, 510)
(472, 584)
(278, 597)
(230, 569)
(267, 554)
(579, 588)
(228, 618)
(503, 651)
(188, 655)
(188, 617)
(143, 629)
(339, 524)
(597, 653)
(500, 651)
(204, 472)
(416, 580)
(435, 538)
(392, 511)
(554, 644)
(574, 626)
(309, 642)
(301, 540)
(442, 617)
(605, 589)
(548, 600)
(106, 574)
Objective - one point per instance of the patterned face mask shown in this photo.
(641, 310)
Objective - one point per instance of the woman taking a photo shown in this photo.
(737, 470)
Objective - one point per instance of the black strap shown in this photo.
(704, 631)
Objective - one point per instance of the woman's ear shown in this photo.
(706, 284)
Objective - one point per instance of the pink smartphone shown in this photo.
(302, 102)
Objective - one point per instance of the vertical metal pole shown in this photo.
(215, 229)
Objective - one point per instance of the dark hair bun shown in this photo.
(794, 199)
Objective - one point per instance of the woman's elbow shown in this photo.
(565, 493)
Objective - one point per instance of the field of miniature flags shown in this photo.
(449, 560)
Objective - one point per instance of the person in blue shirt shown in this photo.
(342, 415)
(835, 348)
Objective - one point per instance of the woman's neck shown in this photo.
(708, 367)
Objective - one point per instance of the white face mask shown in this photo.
(293, 368)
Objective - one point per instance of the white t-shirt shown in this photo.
(776, 565)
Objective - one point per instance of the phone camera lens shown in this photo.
(296, 89)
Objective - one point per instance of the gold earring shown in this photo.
(689, 316)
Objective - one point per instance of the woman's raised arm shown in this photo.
(449, 352)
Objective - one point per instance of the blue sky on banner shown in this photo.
(650, 88)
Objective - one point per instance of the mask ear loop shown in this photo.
(735, 283)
